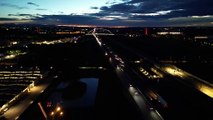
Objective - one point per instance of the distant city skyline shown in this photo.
(147, 13)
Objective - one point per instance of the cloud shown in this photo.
(60, 12)
(25, 16)
(94, 8)
(190, 7)
(158, 11)
(153, 14)
(65, 19)
(7, 19)
(79, 19)
(33, 4)
(135, 13)
(93, 20)
(12, 6)
(41, 9)
(123, 7)
(108, 20)
(157, 14)
(13, 20)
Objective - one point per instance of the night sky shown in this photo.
(108, 12)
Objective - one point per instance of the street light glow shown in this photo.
(52, 113)
(58, 109)
(61, 113)
(208, 90)
(174, 72)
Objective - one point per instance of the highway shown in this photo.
(176, 95)
(148, 112)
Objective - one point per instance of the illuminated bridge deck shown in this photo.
(13, 83)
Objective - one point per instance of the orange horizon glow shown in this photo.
(91, 26)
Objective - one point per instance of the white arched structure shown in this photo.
(99, 31)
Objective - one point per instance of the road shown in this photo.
(117, 63)
(185, 95)
(16, 110)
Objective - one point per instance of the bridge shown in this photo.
(100, 31)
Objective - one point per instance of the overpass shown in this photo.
(100, 31)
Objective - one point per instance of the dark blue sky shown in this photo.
(108, 12)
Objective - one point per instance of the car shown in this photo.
(136, 93)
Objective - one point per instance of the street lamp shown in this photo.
(61, 113)
(52, 113)
(56, 113)
(58, 109)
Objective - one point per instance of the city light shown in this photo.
(52, 42)
(52, 113)
(58, 109)
(138, 65)
(90, 67)
(61, 113)
(57, 112)
(17, 79)
(169, 33)
(208, 90)
(173, 71)
(137, 61)
(158, 74)
(9, 56)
